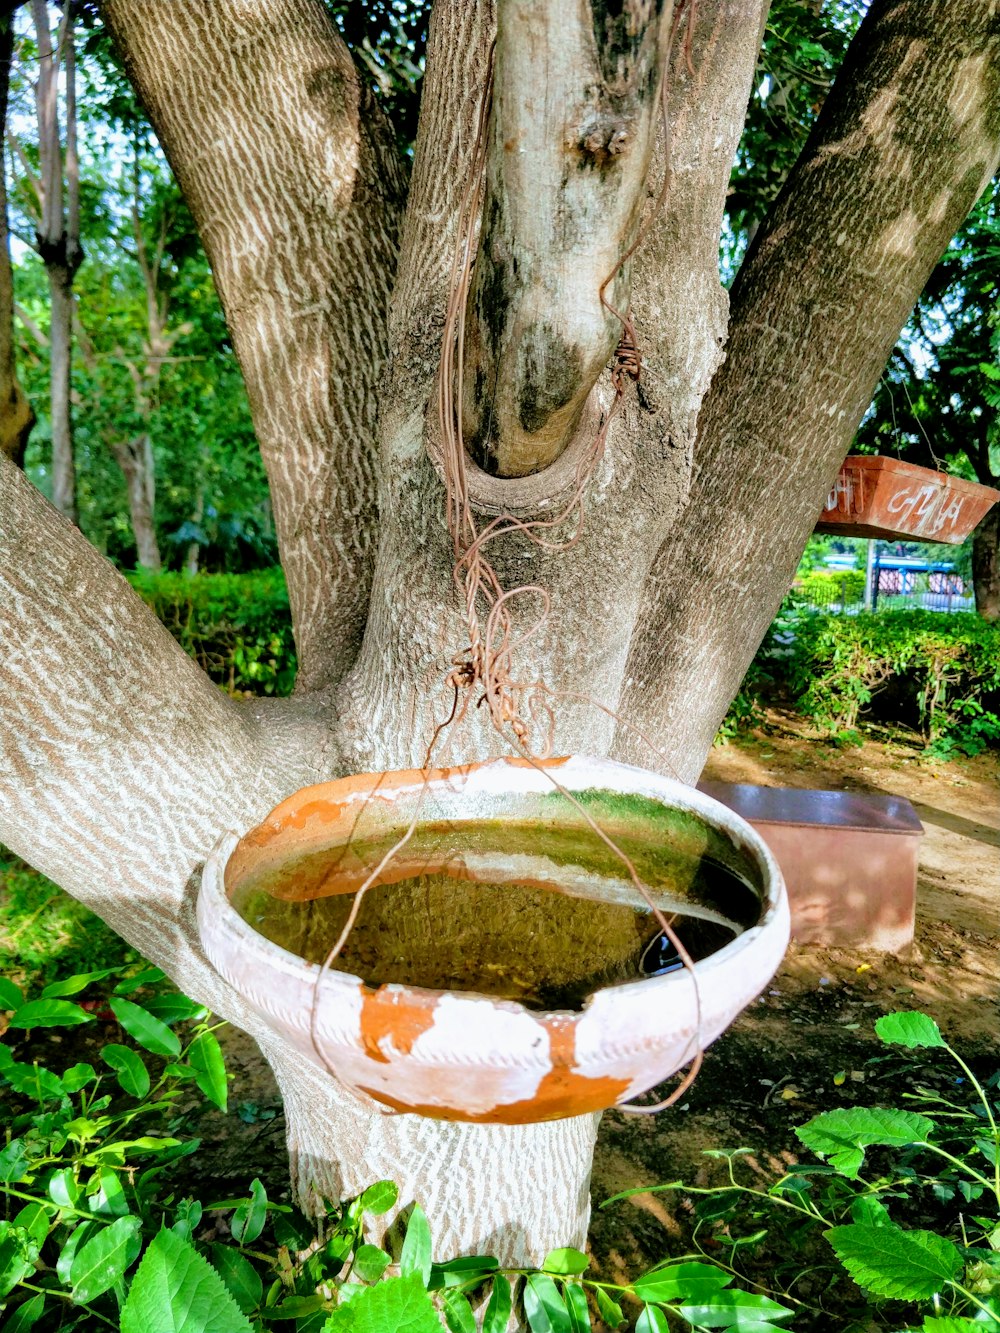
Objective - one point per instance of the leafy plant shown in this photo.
(942, 673)
(850, 1214)
(237, 627)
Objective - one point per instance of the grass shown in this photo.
(45, 934)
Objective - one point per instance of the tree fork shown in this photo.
(575, 112)
(904, 145)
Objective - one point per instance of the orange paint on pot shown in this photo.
(395, 1016)
(562, 1091)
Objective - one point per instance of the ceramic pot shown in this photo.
(461, 1055)
(885, 497)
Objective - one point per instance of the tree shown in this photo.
(57, 231)
(339, 280)
(16, 415)
(940, 397)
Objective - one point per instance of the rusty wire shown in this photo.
(487, 664)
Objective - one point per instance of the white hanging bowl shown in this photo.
(460, 1055)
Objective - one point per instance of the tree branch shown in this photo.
(906, 140)
(293, 179)
(120, 762)
(575, 111)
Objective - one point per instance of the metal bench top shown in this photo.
(807, 808)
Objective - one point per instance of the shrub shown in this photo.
(832, 587)
(237, 627)
(946, 669)
(935, 1162)
(44, 933)
(941, 673)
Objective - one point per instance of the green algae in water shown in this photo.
(516, 941)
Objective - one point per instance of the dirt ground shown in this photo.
(805, 1045)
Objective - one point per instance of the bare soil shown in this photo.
(805, 1045)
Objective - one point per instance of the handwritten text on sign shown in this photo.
(915, 508)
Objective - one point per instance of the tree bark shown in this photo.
(16, 414)
(986, 565)
(576, 103)
(58, 239)
(135, 458)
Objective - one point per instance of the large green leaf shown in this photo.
(145, 1028)
(106, 1194)
(913, 1030)
(132, 1074)
(244, 1282)
(18, 1253)
(498, 1307)
(75, 984)
(951, 1324)
(49, 1014)
(370, 1263)
(175, 1290)
(26, 1316)
(36, 1219)
(205, 1058)
(652, 1320)
(460, 1272)
(611, 1311)
(172, 1008)
(902, 1265)
(33, 1081)
(458, 1313)
(735, 1309)
(681, 1282)
(98, 1264)
(14, 1162)
(842, 1136)
(566, 1262)
(544, 1306)
(11, 996)
(250, 1216)
(398, 1305)
(380, 1197)
(415, 1256)
(576, 1303)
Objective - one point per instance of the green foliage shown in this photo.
(804, 45)
(832, 587)
(947, 668)
(844, 1223)
(237, 627)
(44, 933)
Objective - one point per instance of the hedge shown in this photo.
(832, 587)
(940, 673)
(238, 627)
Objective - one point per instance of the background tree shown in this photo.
(122, 763)
(939, 401)
(56, 188)
(16, 415)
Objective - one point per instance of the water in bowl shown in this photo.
(541, 946)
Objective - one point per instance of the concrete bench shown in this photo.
(849, 860)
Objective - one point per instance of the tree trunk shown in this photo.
(60, 389)
(135, 458)
(16, 415)
(58, 237)
(986, 565)
(693, 517)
